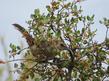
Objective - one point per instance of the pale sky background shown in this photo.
(18, 11)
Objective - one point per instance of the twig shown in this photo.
(106, 33)
(20, 60)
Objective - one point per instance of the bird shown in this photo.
(42, 50)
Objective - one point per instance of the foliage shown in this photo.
(67, 36)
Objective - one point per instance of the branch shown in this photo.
(106, 33)
(21, 60)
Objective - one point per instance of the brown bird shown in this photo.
(42, 50)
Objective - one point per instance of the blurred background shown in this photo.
(19, 11)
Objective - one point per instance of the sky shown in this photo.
(19, 11)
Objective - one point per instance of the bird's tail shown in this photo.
(24, 32)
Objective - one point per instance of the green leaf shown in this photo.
(37, 79)
(68, 29)
(93, 16)
(56, 78)
(32, 75)
(105, 19)
(58, 18)
(96, 79)
(100, 22)
(37, 12)
(88, 18)
(83, 30)
(18, 71)
(22, 65)
(13, 47)
(78, 32)
(74, 74)
(15, 65)
(58, 33)
(78, 39)
(76, 20)
(77, 79)
(18, 47)
(66, 21)
(75, 7)
(80, 18)
(48, 8)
